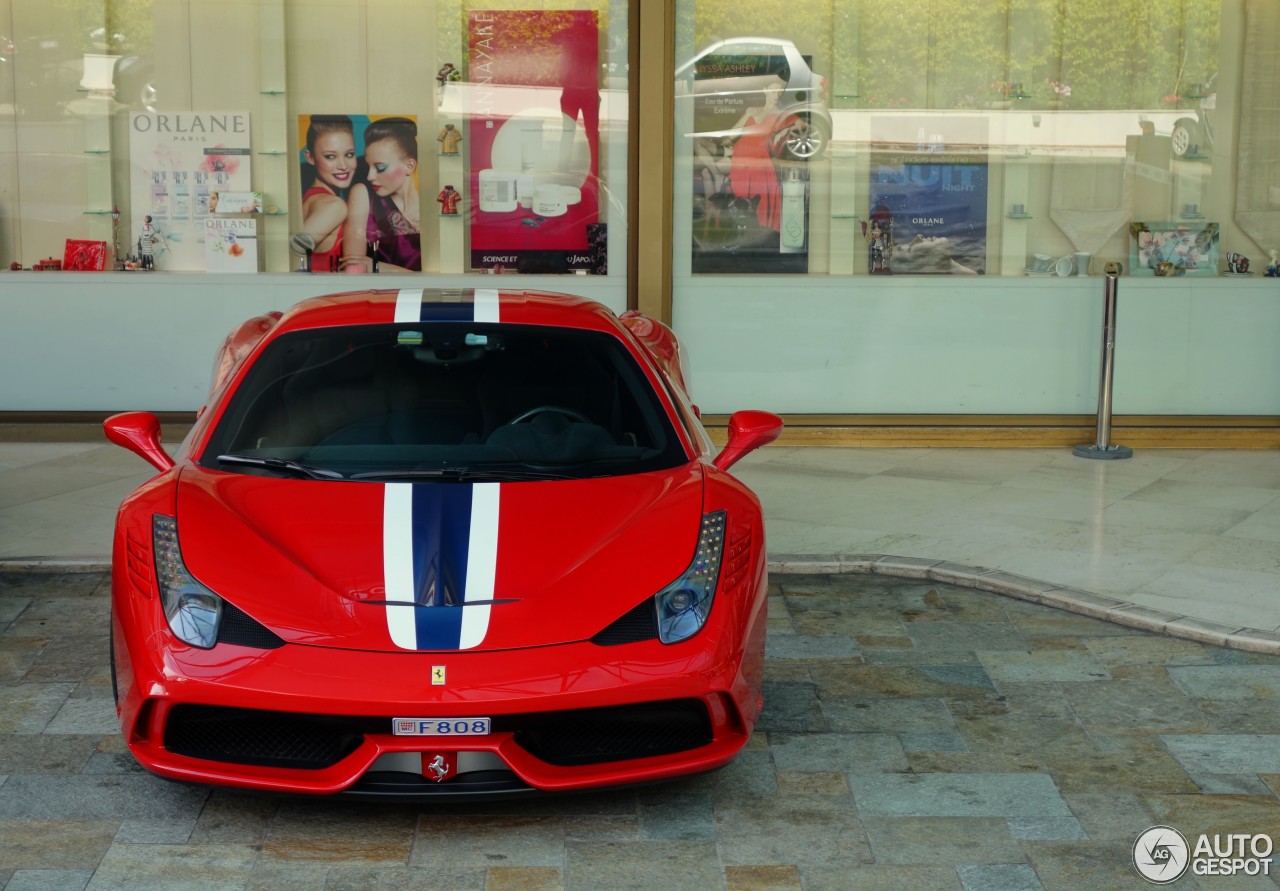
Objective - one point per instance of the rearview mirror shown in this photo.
(139, 432)
(748, 431)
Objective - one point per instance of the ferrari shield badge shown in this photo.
(440, 766)
(437, 675)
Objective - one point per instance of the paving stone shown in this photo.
(96, 715)
(11, 606)
(948, 637)
(802, 831)
(1108, 814)
(862, 714)
(1227, 754)
(1047, 828)
(804, 648)
(957, 795)
(1122, 706)
(929, 841)
(932, 742)
(1045, 736)
(791, 706)
(49, 880)
(174, 868)
(673, 815)
(849, 752)
(36, 797)
(1228, 681)
(999, 877)
(1142, 649)
(154, 832)
(40, 753)
(275, 875)
(488, 841)
(762, 878)
(29, 708)
(18, 654)
(880, 878)
(643, 865)
(1041, 666)
(524, 878)
(54, 844)
(324, 832)
(230, 819)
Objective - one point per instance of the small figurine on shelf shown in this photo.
(449, 138)
(448, 73)
(1273, 268)
(449, 198)
(147, 239)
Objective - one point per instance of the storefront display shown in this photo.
(177, 160)
(534, 135)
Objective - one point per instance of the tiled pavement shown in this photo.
(916, 736)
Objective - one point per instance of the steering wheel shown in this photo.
(558, 409)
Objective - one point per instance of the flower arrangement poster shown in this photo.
(928, 211)
(533, 136)
(176, 160)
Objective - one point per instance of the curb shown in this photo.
(993, 581)
(1073, 600)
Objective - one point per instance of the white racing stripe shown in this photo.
(409, 305)
(486, 305)
(482, 562)
(397, 561)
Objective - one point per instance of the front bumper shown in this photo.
(317, 720)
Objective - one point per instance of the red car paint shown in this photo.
(306, 561)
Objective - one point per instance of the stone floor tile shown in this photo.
(1228, 681)
(791, 707)
(96, 715)
(488, 841)
(828, 752)
(1193, 815)
(49, 880)
(957, 795)
(642, 866)
(28, 708)
(880, 878)
(231, 819)
(676, 815)
(524, 878)
(18, 654)
(1109, 814)
(1047, 828)
(37, 797)
(1095, 865)
(54, 844)
(1122, 706)
(1045, 736)
(40, 753)
(863, 714)
(813, 785)
(1028, 666)
(762, 878)
(803, 648)
(1227, 753)
(154, 832)
(965, 637)
(929, 841)
(999, 877)
(174, 868)
(324, 832)
(932, 742)
(1246, 716)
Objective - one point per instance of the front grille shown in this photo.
(269, 739)
(639, 624)
(238, 627)
(618, 733)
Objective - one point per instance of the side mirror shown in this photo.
(748, 431)
(139, 432)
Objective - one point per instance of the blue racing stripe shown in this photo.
(441, 530)
(448, 312)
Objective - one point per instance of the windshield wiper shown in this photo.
(284, 465)
(463, 474)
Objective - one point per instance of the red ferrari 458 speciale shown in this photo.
(436, 544)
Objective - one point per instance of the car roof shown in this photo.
(378, 307)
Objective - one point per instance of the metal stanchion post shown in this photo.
(1102, 447)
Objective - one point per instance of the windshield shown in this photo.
(450, 401)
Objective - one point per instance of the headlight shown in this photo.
(684, 604)
(193, 611)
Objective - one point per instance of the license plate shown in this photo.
(440, 726)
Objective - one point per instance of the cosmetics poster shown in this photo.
(928, 190)
(533, 140)
(177, 161)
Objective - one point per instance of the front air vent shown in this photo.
(639, 624)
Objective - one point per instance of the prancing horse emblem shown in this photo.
(439, 768)
(437, 675)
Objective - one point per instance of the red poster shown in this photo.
(534, 140)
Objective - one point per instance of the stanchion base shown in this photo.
(1110, 453)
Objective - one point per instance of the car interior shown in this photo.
(388, 399)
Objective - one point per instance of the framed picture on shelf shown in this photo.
(1167, 249)
(84, 256)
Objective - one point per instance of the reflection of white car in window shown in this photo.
(730, 83)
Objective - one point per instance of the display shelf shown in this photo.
(97, 151)
(1019, 216)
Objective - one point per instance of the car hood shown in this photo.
(437, 566)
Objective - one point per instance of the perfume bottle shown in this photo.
(793, 216)
(181, 196)
(202, 193)
(159, 194)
